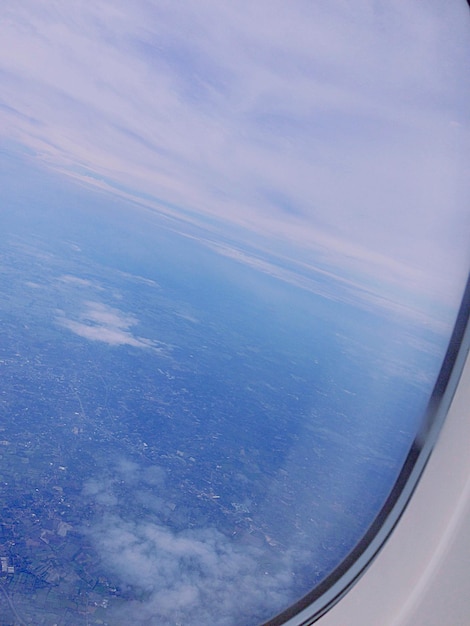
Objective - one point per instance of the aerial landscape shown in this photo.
(174, 432)
(219, 332)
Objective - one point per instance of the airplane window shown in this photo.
(234, 250)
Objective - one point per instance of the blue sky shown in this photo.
(338, 129)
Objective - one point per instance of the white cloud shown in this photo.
(188, 577)
(342, 130)
(100, 322)
(78, 282)
(191, 577)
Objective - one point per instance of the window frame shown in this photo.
(332, 589)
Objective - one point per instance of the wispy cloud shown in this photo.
(101, 322)
(69, 279)
(191, 577)
(341, 130)
(333, 285)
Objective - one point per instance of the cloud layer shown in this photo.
(342, 130)
(191, 577)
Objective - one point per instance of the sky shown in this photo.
(336, 131)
